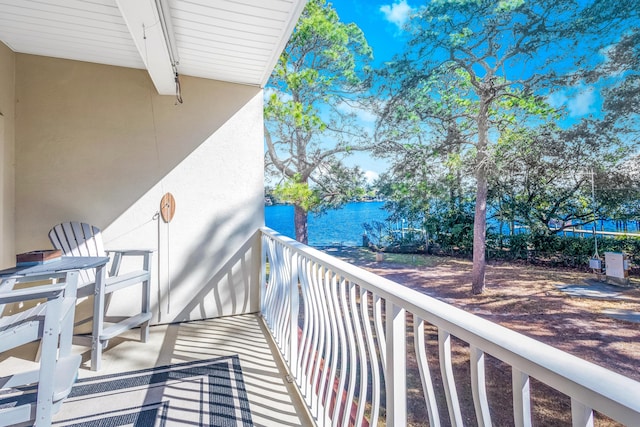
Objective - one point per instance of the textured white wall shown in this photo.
(97, 144)
(7, 171)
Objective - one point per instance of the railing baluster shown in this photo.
(351, 367)
(336, 340)
(330, 352)
(317, 283)
(289, 278)
(446, 367)
(276, 286)
(294, 311)
(278, 294)
(362, 363)
(271, 286)
(478, 387)
(264, 246)
(305, 342)
(313, 313)
(342, 362)
(581, 415)
(425, 372)
(265, 289)
(371, 346)
(521, 398)
(396, 366)
(377, 315)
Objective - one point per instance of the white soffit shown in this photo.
(230, 40)
(71, 29)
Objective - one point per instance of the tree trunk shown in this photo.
(479, 234)
(300, 224)
(480, 217)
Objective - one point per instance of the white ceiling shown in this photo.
(230, 40)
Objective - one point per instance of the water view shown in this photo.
(344, 226)
(335, 227)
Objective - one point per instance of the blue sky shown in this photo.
(381, 22)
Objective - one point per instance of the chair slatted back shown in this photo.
(78, 239)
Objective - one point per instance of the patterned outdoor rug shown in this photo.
(200, 393)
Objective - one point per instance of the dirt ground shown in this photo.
(523, 298)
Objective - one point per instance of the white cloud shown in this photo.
(579, 100)
(371, 176)
(397, 13)
(557, 99)
(366, 116)
(583, 102)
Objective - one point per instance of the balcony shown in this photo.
(87, 133)
(336, 345)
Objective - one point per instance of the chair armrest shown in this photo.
(131, 252)
(36, 292)
(118, 254)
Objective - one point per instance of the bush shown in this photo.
(563, 250)
(454, 236)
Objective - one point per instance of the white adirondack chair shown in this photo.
(81, 239)
(51, 323)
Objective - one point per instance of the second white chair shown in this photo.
(81, 239)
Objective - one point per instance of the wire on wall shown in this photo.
(178, 88)
(167, 210)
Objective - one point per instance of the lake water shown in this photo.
(344, 226)
(336, 226)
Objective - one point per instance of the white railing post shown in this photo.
(396, 366)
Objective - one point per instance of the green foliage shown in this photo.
(297, 193)
(544, 175)
(377, 233)
(561, 250)
(338, 184)
(453, 231)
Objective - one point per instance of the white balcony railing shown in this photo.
(343, 332)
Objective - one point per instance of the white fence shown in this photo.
(343, 332)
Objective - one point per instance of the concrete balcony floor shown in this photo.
(272, 400)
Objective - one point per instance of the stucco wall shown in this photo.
(7, 117)
(96, 143)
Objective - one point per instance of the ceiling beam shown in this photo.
(148, 31)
